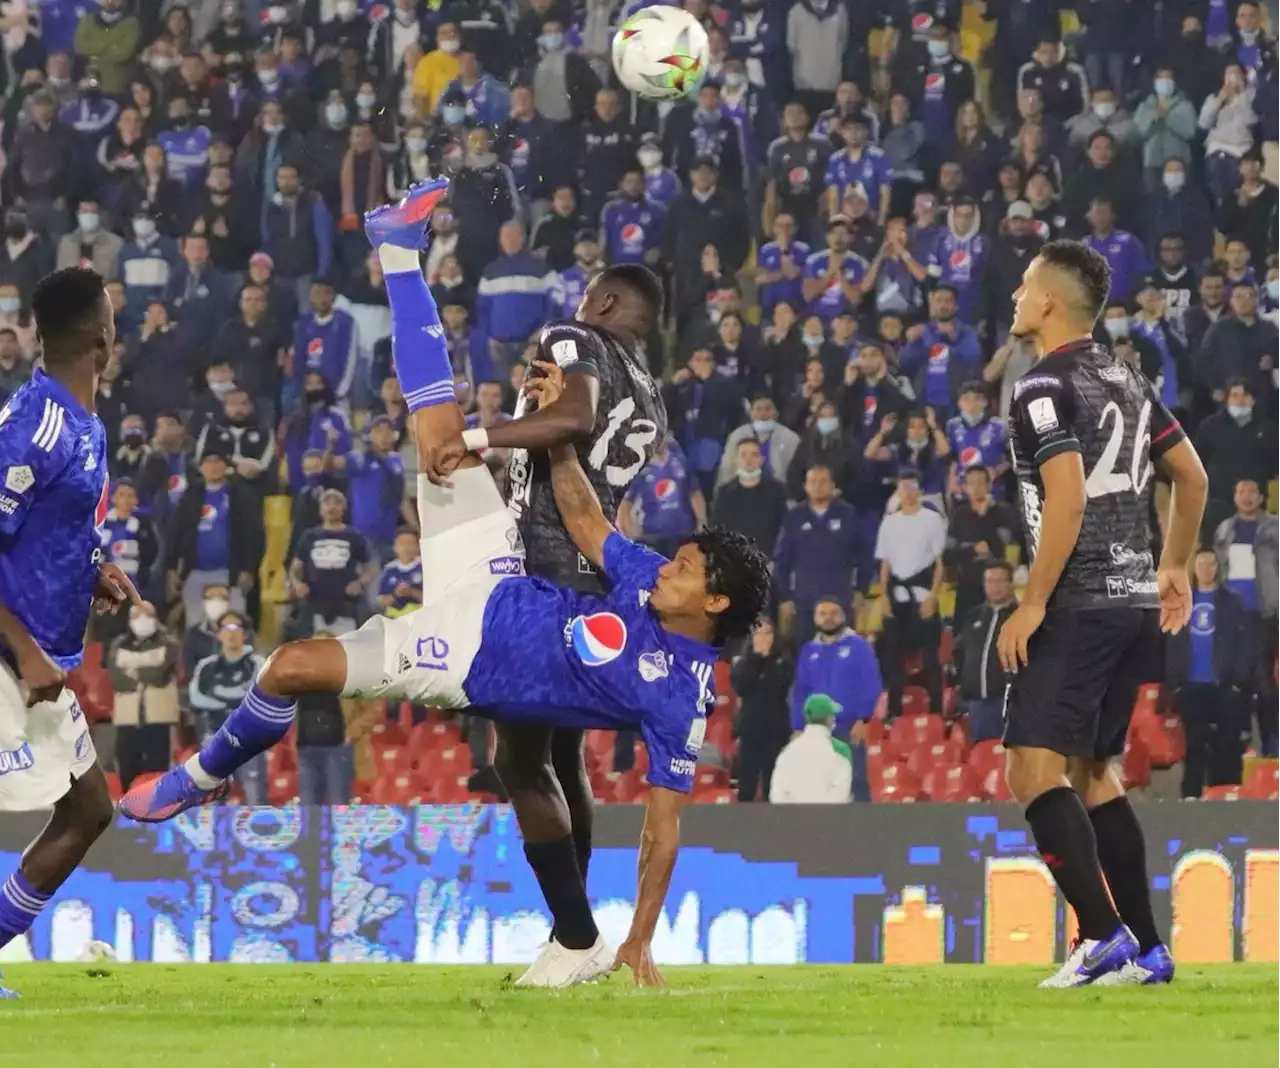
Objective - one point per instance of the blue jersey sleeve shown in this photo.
(630, 568)
(674, 732)
(29, 437)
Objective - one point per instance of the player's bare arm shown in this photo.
(659, 845)
(43, 677)
(1189, 488)
(569, 418)
(1064, 502)
(579, 506)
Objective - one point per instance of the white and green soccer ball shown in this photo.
(96, 952)
(661, 53)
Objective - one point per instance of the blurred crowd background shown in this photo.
(841, 217)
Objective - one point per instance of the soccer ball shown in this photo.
(661, 53)
(96, 952)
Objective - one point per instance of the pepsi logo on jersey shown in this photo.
(598, 638)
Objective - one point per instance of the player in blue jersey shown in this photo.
(53, 503)
(524, 650)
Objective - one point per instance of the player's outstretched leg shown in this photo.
(263, 718)
(1122, 851)
(79, 818)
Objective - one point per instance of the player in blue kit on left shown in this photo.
(488, 637)
(53, 504)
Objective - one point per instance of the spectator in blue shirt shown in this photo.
(1123, 252)
(325, 343)
(1211, 669)
(664, 505)
(943, 356)
(514, 298)
(859, 163)
(186, 145)
(199, 296)
(976, 438)
(400, 584)
(780, 267)
(833, 277)
(320, 426)
(376, 477)
(816, 554)
(146, 263)
(632, 224)
(843, 666)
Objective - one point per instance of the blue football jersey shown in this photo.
(602, 662)
(53, 504)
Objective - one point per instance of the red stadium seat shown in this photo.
(1135, 768)
(716, 795)
(641, 758)
(598, 750)
(1220, 793)
(915, 701)
(1262, 782)
(946, 646)
(909, 731)
(282, 788)
(986, 755)
(392, 759)
(879, 758)
(711, 778)
(624, 786)
(1148, 698)
(923, 757)
(956, 744)
(897, 784)
(394, 790)
(386, 734)
(952, 782)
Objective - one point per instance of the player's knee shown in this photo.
(521, 771)
(87, 807)
(288, 671)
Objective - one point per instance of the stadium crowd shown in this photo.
(841, 217)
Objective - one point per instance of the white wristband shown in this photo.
(476, 439)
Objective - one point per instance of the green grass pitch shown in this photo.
(865, 1016)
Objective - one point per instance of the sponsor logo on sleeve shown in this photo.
(83, 745)
(7, 504)
(564, 352)
(19, 479)
(1044, 416)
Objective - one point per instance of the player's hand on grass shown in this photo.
(112, 589)
(441, 461)
(1175, 599)
(546, 386)
(637, 957)
(1011, 646)
(43, 677)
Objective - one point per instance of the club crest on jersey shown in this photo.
(598, 638)
(653, 666)
(19, 479)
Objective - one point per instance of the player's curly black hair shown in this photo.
(68, 308)
(737, 569)
(641, 281)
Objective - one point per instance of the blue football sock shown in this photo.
(417, 338)
(20, 904)
(253, 728)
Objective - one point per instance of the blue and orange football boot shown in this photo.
(405, 222)
(160, 799)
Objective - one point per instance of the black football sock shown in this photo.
(1122, 851)
(1065, 839)
(556, 866)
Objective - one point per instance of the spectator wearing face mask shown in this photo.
(1235, 443)
(483, 197)
(484, 96)
(839, 664)
(143, 666)
(185, 143)
(436, 70)
(108, 38)
(700, 131)
(816, 554)
(937, 82)
(1227, 117)
(778, 444)
(1179, 208)
(827, 444)
(319, 426)
(17, 319)
(571, 283)
(1167, 122)
(1104, 115)
(959, 260)
(975, 437)
(1248, 215)
(90, 244)
(146, 264)
(14, 370)
(755, 502)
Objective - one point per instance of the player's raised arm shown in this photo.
(659, 846)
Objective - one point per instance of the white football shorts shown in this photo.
(42, 748)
